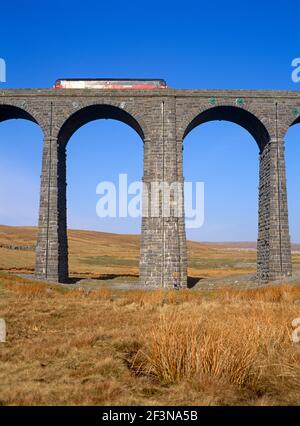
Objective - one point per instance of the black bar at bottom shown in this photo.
(144, 415)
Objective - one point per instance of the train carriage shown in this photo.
(101, 83)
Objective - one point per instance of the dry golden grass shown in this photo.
(259, 358)
(73, 346)
(280, 293)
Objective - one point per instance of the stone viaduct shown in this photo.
(162, 118)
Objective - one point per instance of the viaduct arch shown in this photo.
(9, 112)
(234, 114)
(52, 246)
(162, 118)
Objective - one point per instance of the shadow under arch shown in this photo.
(10, 112)
(296, 121)
(236, 115)
(97, 112)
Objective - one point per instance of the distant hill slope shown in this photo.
(95, 253)
(245, 244)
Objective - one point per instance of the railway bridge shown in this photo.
(162, 118)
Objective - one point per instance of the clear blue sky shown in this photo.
(191, 44)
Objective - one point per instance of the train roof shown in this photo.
(111, 79)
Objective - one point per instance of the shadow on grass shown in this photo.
(101, 277)
(192, 281)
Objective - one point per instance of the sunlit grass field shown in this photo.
(108, 346)
(73, 346)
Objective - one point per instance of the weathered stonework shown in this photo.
(162, 118)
